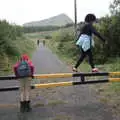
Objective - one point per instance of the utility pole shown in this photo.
(75, 15)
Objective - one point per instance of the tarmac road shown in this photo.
(61, 103)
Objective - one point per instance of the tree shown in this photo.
(115, 7)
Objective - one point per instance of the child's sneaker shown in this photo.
(74, 69)
(95, 70)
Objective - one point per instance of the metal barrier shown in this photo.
(64, 75)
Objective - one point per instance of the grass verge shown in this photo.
(108, 93)
(24, 45)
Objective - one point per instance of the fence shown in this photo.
(112, 77)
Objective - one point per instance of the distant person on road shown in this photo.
(38, 42)
(85, 41)
(24, 68)
(44, 42)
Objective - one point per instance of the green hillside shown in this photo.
(59, 20)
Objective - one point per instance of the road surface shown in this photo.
(61, 103)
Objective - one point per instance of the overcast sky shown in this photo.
(22, 11)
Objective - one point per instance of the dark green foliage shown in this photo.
(8, 35)
(44, 28)
(110, 28)
(39, 29)
(48, 37)
(69, 25)
(65, 44)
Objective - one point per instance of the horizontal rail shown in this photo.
(7, 77)
(114, 73)
(12, 77)
(56, 75)
(63, 75)
(114, 79)
(75, 83)
(9, 89)
(47, 85)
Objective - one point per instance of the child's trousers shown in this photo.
(83, 55)
(25, 84)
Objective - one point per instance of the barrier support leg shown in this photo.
(82, 78)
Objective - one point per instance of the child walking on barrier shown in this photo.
(85, 42)
(24, 68)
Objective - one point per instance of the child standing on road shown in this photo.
(24, 68)
(85, 41)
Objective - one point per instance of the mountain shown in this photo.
(59, 20)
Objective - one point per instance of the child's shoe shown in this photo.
(22, 106)
(95, 70)
(27, 106)
(74, 69)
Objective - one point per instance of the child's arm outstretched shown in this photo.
(94, 31)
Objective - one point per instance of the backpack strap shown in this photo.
(90, 42)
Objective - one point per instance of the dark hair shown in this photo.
(90, 18)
